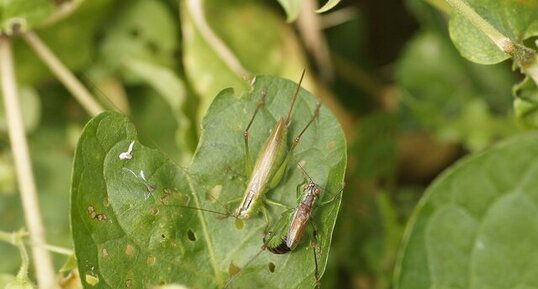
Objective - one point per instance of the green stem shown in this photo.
(56, 249)
(79, 92)
(23, 166)
(16, 239)
(8, 237)
(25, 261)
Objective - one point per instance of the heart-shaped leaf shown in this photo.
(130, 228)
(477, 226)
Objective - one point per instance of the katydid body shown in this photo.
(289, 230)
(272, 160)
(267, 166)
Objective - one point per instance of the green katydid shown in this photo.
(272, 160)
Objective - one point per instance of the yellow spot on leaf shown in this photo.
(233, 269)
(92, 280)
(215, 193)
(129, 250)
(151, 260)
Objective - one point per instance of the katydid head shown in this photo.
(309, 187)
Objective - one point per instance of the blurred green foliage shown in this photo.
(408, 98)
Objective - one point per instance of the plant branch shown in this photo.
(43, 262)
(81, 94)
(56, 249)
(196, 11)
(309, 25)
(16, 239)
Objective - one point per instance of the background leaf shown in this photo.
(139, 230)
(515, 19)
(477, 224)
(459, 101)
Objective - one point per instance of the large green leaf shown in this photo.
(477, 226)
(130, 233)
(515, 19)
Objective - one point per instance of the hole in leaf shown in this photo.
(239, 224)
(191, 235)
(233, 269)
(271, 267)
(163, 236)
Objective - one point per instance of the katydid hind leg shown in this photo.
(294, 99)
(282, 169)
(246, 132)
(315, 115)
